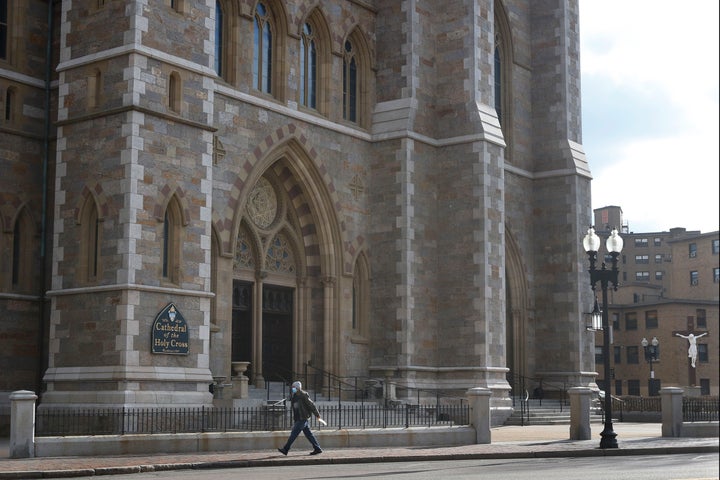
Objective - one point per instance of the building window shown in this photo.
(262, 49)
(634, 388)
(704, 386)
(641, 242)
(94, 88)
(171, 242)
(658, 275)
(701, 318)
(716, 275)
(616, 321)
(642, 276)
(715, 246)
(174, 92)
(632, 355)
(22, 245)
(498, 80)
(10, 99)
(657, 241)
(631, 321)
(694, 278)
(616, 355)
(90, 242)
(4, 36)
(308, 67)
(651, 319)
(658, 258)
(219, 39)
(618, 387)
(598, 355)
(702, 351)
(642, 259)
(692, 250)
(361, 298)
(624, 276)
(350, 83)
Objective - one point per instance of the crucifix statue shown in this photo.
(692, 346)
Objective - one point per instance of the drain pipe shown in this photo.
(43, 217)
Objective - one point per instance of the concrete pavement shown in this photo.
(507, 442)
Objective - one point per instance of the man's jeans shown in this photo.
(301, 426)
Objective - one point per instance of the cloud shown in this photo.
(650, 110)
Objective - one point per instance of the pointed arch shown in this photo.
(357, 79)
(23, 245)
(361, 296)
(502, 72)
(89, 219)
(269, 64)
(315, 62)
(172, 241)
(164, 197)
(517, 308)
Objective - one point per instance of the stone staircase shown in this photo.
(549, 412)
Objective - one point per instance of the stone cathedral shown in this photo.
(381, 189)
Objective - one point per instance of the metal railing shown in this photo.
(121, 421)
(701, 409)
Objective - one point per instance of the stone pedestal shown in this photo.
(239, 380)
(692, 391)
(580, 413)
(22, 424)
(671, 400)
(479, 399)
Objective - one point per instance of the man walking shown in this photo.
(303, 408)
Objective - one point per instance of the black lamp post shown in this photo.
(614, 244)
(652, 352)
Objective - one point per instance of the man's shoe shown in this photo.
(316, 451)
(283, 451)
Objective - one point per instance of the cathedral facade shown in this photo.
(381, 189)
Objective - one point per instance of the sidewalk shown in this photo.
(507, 442)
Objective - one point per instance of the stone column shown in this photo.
(580, 413)
(22, 424)
(672, 417)
(479, 399)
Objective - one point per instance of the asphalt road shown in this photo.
(675, 467)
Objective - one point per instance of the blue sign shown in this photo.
(170, 332)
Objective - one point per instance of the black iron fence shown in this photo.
(701, 409)
(120, 421)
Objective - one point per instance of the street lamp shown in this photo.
(651, 354)
(614, 244)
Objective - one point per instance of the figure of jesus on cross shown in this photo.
(691, 336)
(692, 349)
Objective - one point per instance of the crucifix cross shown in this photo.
(691, 336)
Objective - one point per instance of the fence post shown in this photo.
(22, 424)
(479, 400)
(579, 413)
(671, 399)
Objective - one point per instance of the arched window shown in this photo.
(498, 80)
(171, 242)
(89, 242)
(308, 67)
(361, 298)
(350, 83)
(262, 49)
(4, 29)
(93, 89)
(502, 76)
(10, 99)
(22, 248)
(174, 92)
(219, 39)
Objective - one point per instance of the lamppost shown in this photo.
(651, 354)
(614, 244)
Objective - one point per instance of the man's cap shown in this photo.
(297, 385)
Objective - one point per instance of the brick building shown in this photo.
(362, 185)
(669, 285)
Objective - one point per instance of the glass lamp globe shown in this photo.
(591, 242)
(614, 242)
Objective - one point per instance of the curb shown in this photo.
(90, 472)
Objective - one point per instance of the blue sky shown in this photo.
(650, 110)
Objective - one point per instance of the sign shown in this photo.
(170, 332)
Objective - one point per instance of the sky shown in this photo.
(650, 110)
